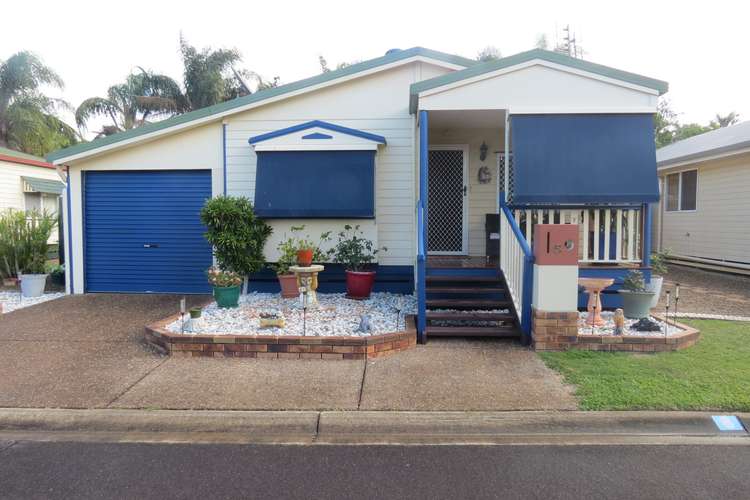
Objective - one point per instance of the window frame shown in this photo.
(679, 191)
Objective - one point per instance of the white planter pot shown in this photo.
(32, 285)
(655, 286)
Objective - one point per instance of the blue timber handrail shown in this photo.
(524, 315)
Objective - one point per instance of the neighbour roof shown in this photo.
(391, 56)
(38, 185)
(722, 140)
(14, 156)
(317, 124)
(545, 55)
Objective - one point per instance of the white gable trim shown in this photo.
(299, 141)
(538, 62)
(219, 116)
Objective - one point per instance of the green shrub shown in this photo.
(23, 241)
(236, 234)
(353, 250)
(659, 262)
(288, 248)
(634, 281)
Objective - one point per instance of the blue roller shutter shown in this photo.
(143, 231)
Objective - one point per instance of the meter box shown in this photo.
(556, 244)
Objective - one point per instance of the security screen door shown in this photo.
(446, 200)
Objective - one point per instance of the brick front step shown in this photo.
(278, 346)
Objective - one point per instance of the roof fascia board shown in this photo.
(26, 161)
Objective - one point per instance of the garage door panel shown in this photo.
(143, 231)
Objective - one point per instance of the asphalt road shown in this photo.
(162, 471)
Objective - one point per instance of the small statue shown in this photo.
(364, 324)
(646, 325)
(619, 321)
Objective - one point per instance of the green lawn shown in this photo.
(714, 374)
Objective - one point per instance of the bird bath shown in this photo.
(594, 287)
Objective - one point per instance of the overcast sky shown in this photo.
(701, 52)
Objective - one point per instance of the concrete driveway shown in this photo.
(87, 352)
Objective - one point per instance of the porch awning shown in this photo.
(597, 158)
(37, 185)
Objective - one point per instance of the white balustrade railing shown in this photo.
(606, 235)
(516, 262)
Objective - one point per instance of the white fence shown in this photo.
(516, 262)
(622, 225)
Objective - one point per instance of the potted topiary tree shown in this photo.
(658, 266)
(636, 301)
(238, 238)
(356, 252)
(32, 256)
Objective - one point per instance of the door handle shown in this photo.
(465, 189)
(150, 245)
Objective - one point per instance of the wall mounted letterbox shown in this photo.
(556, 244)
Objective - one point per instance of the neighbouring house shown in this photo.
(705, 186)
(447, 162)
(28, 182)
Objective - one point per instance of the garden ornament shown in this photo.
(619, 321)
(646, 325)
(364, 324)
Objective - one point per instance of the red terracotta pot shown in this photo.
(10, 282)
(289, 289)
(359, 284)
(305, 257)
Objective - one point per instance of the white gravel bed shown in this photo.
(13, 300)
(725, 317)
(609, 326)
(336, 316)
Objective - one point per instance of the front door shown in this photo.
(447, 230)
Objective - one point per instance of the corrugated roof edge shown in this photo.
(13, 156)
(522, 57)
(694, 157)
(390, 57)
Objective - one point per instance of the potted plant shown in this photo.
(32, 255)
(237, 237)
(636, 300)
(12, 229)
(658, 266)
(307, 250)
(289, 254)
(226, 286)
(195, 312)
(356, 252)
(57, 274)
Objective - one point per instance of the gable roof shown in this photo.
(317, 124)
(235, 105)
(717, 142)
(545, 55)
(14, 156)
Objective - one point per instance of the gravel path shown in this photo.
(12, 300)
(708, 292)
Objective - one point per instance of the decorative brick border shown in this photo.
(558, 331)
(278, 346)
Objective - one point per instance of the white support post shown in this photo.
(618, 238)
(607, 227)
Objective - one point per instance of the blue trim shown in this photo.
(224, 155)
(69, 256)
(422, 227)
(317, 135)
(647, 221)
(393, 279)
(321, 124)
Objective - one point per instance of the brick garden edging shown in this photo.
(558, 331)
(278, 346)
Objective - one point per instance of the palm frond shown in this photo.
(96, 106)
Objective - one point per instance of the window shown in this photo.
(682, 191)
(315, 184)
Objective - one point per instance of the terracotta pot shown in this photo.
(359, 284)
(10, 281)
(288, 283)
(304, 257)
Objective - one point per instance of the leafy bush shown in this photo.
(353, 250)
(659, 262)
(634, 281)
(288, 249)
(23, 241)
(237, 235)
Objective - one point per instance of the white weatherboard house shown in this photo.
(705, 181)
(412, 146)
(28, 182)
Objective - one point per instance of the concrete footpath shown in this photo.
(367, 427)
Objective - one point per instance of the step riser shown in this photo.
(459, 271)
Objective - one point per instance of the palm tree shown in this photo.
(27, 117)
(724, 121)
(144, 95)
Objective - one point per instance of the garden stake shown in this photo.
(666, 316)
(182, 315)
(398, 317)
(593, 312)
(676, 300)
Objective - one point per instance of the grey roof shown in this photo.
(722, 140)
(49, 186)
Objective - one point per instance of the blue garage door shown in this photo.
(143, 231)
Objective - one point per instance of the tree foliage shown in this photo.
(28, 118)
(237, 235)
(668, 129)
(489, 53)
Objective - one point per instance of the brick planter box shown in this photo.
(278, 346)
(559, 332)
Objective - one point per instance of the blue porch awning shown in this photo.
(576, 158)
